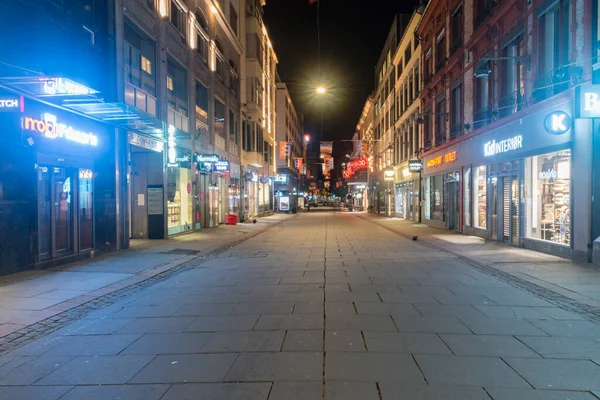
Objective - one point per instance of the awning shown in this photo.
(70, 95)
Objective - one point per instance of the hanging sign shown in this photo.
(415, 165)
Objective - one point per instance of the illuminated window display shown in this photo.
(179, 205)
(479, 197)
(548, 197)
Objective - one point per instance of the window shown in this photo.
(427, 133)
(399, 69)
(411, 94)
(219, 61)
(479, 197)
(440, 121)
(455, 111)
(139, 55)
(178, 18)
(456, 30)
(202, 99)
(513, 88)
(416, 82)
(202, 46)
(440, 51)
(467, 196)
(219, 118)
(201, 18)
(547, 197)
(233, 19)
(233, 127)
(427, 67)
(437, 198)
(554, 44)
(427, 197)
(407, 54)
(177, 95)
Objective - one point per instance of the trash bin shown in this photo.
(232, 219)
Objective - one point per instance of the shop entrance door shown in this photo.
(452, 208)
(56, 196)
(509, 229)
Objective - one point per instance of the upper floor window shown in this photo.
(456, 29)
(202, 99)
(233, 19)
(407, 54)
(427, 66)
(178, 17)
(138, 60)
(554, 38)
(177, 85)
(219, 118)
(201, 18)
(219, 61)
(440, 50)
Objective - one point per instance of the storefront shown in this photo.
(235, 190)
(406, 193)
(213, 181)
(179, 192)
(514, 182)
(441, 188)
(57, 186)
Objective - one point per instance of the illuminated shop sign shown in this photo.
(146, 142)
(415, 165)
(63, 86)
(439, 160)
(548, 174)
(281, 178)
(557, 122)
(12, 104)
(353, 166)
(222, 166)
(52, 128)
(172, 151)
(207, 158)
(588, 101)
(494, 147)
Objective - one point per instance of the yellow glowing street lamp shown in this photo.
(321, 90)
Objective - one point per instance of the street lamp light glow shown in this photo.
(307, 138)
(321, 90)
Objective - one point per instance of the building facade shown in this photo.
(290, 155)
(138, 137)
(259, 72)
(507, 158)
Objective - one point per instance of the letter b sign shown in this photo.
(557, 122)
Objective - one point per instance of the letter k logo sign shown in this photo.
(558, 122)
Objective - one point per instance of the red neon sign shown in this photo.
(354, 166)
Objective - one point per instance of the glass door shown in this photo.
(62, 183)
(514, 209)
(493, 207)
(44, 211)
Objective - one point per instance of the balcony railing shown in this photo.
(440, 139)
(136, 97)
(511, 104)
(456, 130)
(550, 83)
(178, 120)
(483, 117)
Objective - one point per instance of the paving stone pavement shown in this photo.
(323, 306)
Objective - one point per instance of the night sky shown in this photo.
(352, 36)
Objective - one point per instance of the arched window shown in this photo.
(201, 18)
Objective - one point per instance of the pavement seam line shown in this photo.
(590, 313)
(49, 325)
(324, 312)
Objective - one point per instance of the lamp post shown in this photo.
(389, 177)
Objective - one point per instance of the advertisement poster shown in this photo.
(284, 203)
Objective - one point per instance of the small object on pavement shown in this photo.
(253, 221)
(415, 237)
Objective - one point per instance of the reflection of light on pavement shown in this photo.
(460, 239)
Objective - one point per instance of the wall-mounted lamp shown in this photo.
(483, 67)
